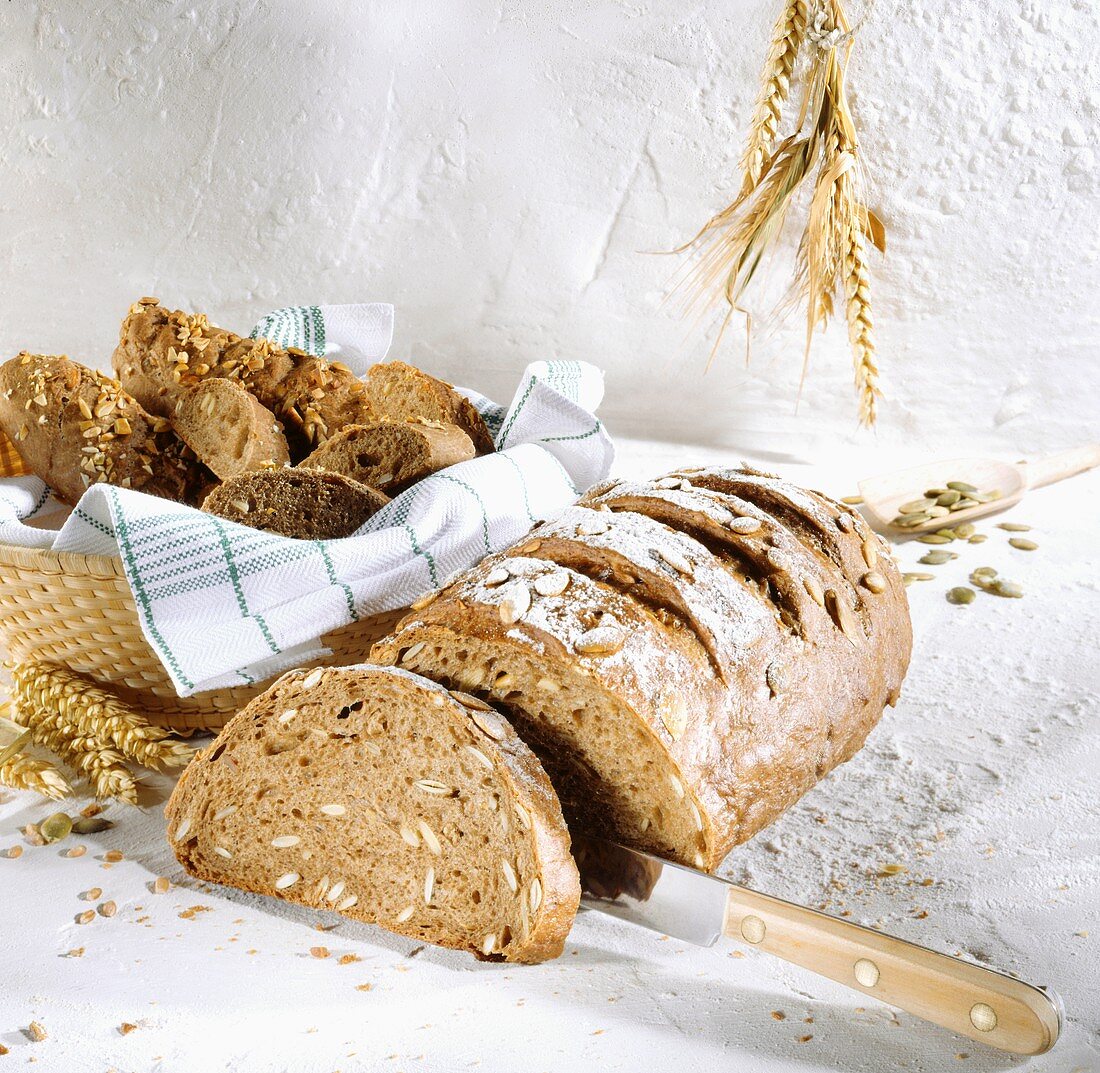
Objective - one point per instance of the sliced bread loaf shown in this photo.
(686, 661)
(75, 427)
(161, 352)
(379, 795)
(307, 504)
(228, 428)
(405, 393)
(392, 455)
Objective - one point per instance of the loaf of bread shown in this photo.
(404, 393)
(381, 796)
(392, 455)
(228, 428)
(301, 503)
(161, 352)
(74, 427)
(687, 656)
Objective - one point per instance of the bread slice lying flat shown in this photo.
(306, 504)
(375, 793)
(228, 428)
(404, 393)
(392, 455)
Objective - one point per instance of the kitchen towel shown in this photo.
(222, 604)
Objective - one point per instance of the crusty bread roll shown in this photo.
(404, 393)
(381, 796)
(392, 455)
(161, 352)
(301, 503)
(75, 427)
(228, 428)
(687, 656)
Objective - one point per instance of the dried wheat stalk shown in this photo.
(21, 772)
(832, 258)
(96, 714)
(102, 765)
(790, 30)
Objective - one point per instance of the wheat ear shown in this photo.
(21, 772)
(857, 286)
(101, 765)
(97, 714)
(790, 30)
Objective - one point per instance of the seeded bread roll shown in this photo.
(306, 504)
(228, 428)
(404, 393)
(75, 427)
(160, 353)
(392, 455)
(380, 795)
(685, 661)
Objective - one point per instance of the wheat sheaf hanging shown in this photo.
(807, 61)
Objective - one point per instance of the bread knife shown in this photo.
(980, 1003)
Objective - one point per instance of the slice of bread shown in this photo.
(392, 455)
(403, 392)
(161, 352)
(228, 428)
(384, 797)
(75, 427)
(301, 503)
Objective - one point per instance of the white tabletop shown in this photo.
(982, 784)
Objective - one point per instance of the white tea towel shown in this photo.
(222, 604)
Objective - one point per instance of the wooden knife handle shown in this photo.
(976, 1002)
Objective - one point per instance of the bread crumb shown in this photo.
(37, 1032)
(113, 855)
(190, 914)
(348, 959)
(805, 1039)
(3, 1049)
(126, 1028)
(76, 952)
(13, 851)
(108, 909)
(778, 1015)
(364, 987)
(319, 951)
(91, 811)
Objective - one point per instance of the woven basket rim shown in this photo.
(46, 561)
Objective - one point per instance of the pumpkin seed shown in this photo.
(91, 825)
(56, 827)
(1014, 527)
(948, 499)
(908, 521)
(964, 531)
(874, 581)
(978, 538)
(1023, 544)
(960, 594)
(852, 501)
(961, 486)
(916, 506)
(932, 493)
(964, 504)
(1004, 587)
(986, 497)
(949, 533)
(936, 558)
(933, 538)
(938, 512)
(917, 575)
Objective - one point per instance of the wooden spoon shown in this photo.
(883, 496)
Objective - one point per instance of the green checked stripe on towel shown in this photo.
(297, 326)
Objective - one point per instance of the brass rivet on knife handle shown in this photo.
(983, 1017)
(866, 972)
(753, 929)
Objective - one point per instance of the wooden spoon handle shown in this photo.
(974, 1001)
(1060, 466)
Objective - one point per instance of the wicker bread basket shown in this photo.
(77, 611)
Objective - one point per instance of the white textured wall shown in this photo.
(496, 169)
